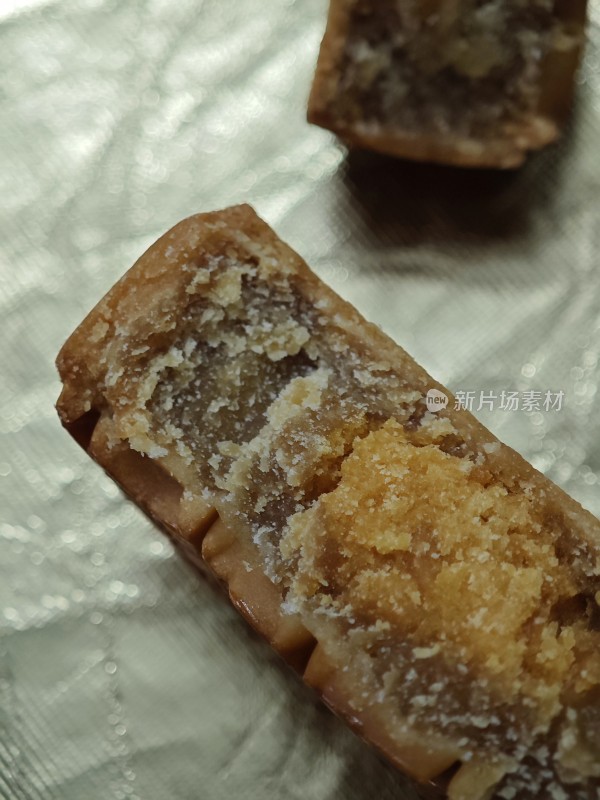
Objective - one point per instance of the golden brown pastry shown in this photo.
(467, 82)
(438, 592)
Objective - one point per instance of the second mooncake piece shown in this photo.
(468, 82)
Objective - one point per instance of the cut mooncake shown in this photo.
(438, 592)
(467, 82)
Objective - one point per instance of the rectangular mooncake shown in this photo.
(467, 82)
(438, 592)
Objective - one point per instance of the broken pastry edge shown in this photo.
(345, 317)
(509, 151)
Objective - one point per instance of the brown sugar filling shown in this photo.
(470, 67)
(421, 547)
(447, 598)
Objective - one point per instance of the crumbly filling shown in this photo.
(470, 67)
(445, 596)
(424, 548)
